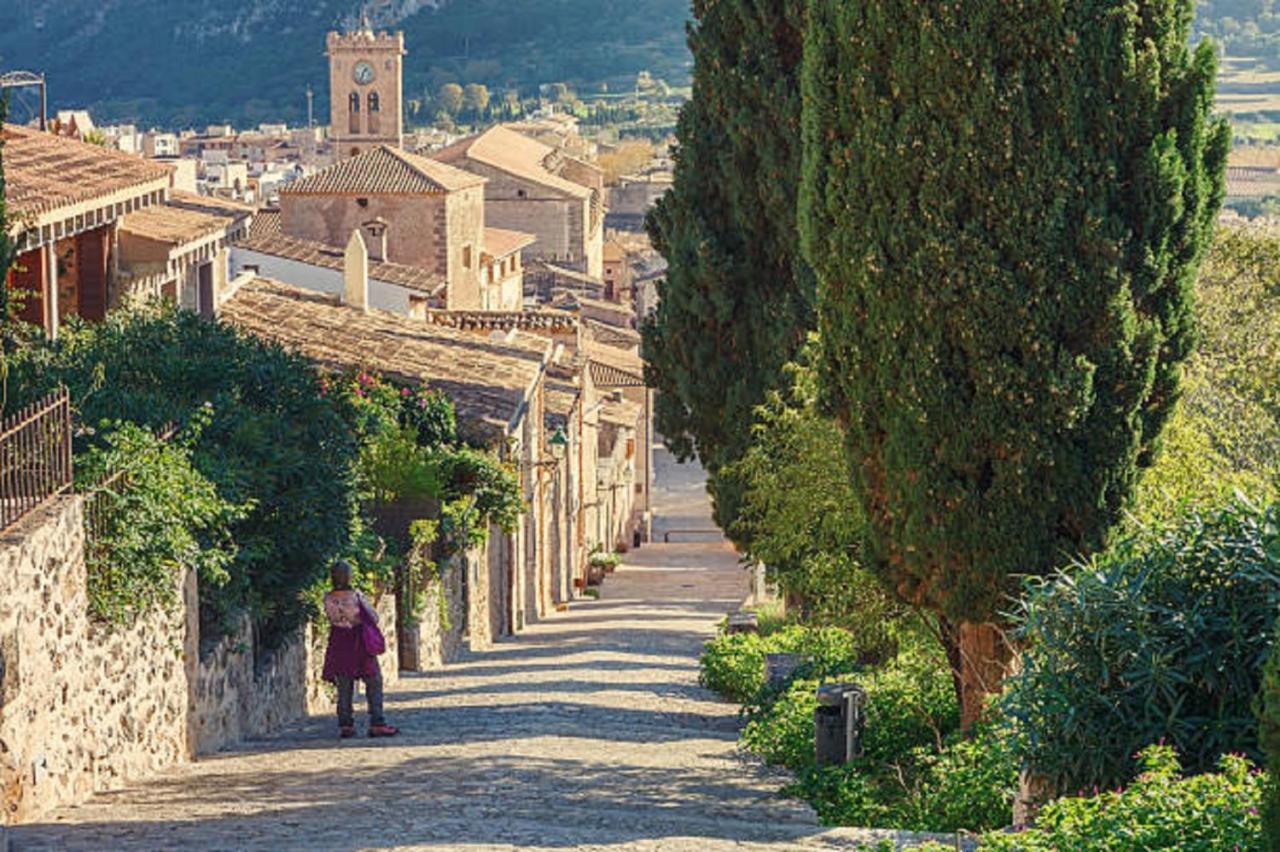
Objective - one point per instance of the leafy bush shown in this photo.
(917, 771)
(1203, 813)
(273, 442)
(410, 448)
(733, 664)
(1268, 706)
(393, 466)
(1160, 638)
(781, 731)
(969, 785)
(800, 517)
(142, 537)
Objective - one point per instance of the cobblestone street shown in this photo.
(587, 731)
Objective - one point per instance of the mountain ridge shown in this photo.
(178, 63)
(175, 63)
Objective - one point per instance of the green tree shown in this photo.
(737, 302)
(1225, 436)
(450, 97)
(801, 515)
(1006, 204)
(476, 98)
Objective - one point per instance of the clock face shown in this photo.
(364, 73)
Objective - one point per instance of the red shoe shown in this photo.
(383, 731)
(347, 731)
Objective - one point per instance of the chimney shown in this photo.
(355, 273)
(375, 239)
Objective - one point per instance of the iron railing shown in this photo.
(35, 457)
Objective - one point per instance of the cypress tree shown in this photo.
(737, 301)
(1006, 203)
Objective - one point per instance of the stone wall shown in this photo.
(242, 691)
(434, 641)
(82, 708)
(464, 242)
(415, 235)
(478, 634)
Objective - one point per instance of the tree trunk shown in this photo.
(985, 659)
(949, 634)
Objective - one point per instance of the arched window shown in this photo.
(375, 107)
(353, 107)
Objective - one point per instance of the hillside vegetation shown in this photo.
(182, 62)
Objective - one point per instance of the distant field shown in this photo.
(1258, 131)
(1268, 102)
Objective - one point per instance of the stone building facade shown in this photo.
(366, 91)
(532, 187)
(415, 212)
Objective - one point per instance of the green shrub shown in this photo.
(154, 515)
(1268, 706)
(1203, 813)
(916, 771)
(781, 731)
(911, 704)
(970, 784)
(1161, 638)
(272, 443)
(853, 795)
(800, 516)
(733, 664)
(1225, 436)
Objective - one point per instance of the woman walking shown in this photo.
(353, 629)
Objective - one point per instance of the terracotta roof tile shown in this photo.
(211, 204)
(384, 171)
(267, 237)
(514, 153)
(532, 321)
(44, 172)
(621, 412)
(559, 400)
(175, 225)
(500, 243)
(487, 380)
(612, 335)
(612, 367)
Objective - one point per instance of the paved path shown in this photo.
(587, 731)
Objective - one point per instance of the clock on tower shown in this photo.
(366, 90)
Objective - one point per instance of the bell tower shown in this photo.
(366, 90)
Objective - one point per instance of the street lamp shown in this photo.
(559, 443)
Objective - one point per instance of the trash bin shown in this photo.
(838, 722)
